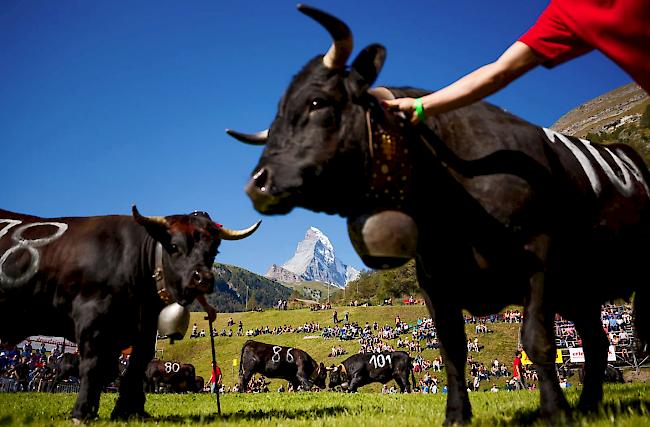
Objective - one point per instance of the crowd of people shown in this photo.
(28, 368)
(306, 328)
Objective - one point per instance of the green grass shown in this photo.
(501, 344)
(625, 405)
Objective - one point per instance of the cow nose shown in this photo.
(204, 280)
(260, 179)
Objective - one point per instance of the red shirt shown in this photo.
(618, 28)
(216, 373)
(516, 367)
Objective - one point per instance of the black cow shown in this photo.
(275, 361)
(365, 368)
(94, 280)
(495, 210)
(170, 375)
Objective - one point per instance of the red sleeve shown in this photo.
(552, 39)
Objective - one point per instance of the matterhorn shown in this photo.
(314, 261)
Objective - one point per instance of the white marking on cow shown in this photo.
(289, 355)
(29, 245)
(624, 185)
(172, 367)
(379, 360)
(276, 354)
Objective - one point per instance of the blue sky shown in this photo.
(108, 103)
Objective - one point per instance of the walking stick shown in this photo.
(214, 365)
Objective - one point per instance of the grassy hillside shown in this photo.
(236, 287)
(501, 344)
(316, 291)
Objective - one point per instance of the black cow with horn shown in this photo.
(366, 368)
(102, 282)
(275, 361)
(479, 197)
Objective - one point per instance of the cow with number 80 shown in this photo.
(275, 361)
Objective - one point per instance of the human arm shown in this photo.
(480, 83)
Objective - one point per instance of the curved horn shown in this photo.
(258, 138)
(341, 48)
(227, 234)
(147, 219)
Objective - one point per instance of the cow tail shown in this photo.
(642, 319)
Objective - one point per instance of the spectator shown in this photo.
(517, 374)
(565, 30)
(215, 378)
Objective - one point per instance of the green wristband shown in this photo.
(419, 110)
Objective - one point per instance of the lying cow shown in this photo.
(274, 361)
(479, 197)
(101, 282)
(365, 368)
(171, 376)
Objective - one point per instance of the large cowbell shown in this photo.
(173, 321)
(385, 239)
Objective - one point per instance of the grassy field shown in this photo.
(625, 405)
(501, 344)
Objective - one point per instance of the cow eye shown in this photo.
(318, 103)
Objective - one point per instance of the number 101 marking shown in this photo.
(379, 360)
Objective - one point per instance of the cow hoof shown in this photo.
(129, 415)
(457, 419)
(76, 421)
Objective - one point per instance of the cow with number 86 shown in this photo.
(275, 361)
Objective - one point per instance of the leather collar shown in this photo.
(159, 276)
(390, 154)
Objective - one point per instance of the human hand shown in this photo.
(402, 105)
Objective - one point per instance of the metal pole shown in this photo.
(214, 365)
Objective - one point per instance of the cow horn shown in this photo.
(338, 54)
(258, 138)
(227, 234)
(148, 219)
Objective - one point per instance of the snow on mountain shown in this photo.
(315, 260)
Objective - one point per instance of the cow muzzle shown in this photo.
(203, 281)
(262, 193)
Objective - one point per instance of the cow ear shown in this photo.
(156, 226)
(365, 69)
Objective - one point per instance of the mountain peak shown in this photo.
(315, 260)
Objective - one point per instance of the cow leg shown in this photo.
(95, 369)
(131, 399)
(451, 333)
(539, 341)
(245, 376)
(354, 384)
(594, 345)
(403, 385)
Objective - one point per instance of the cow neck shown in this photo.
(159, 276)
(390, 156)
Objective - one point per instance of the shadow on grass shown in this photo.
(621, 408)
(243, 415)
